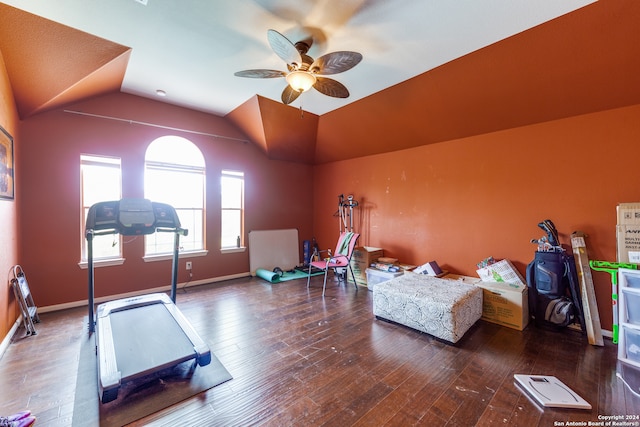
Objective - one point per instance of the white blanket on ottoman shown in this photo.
(443, 308)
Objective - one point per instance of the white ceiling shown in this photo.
(191, 48)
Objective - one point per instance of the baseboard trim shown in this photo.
(7, 339)
(184, 285)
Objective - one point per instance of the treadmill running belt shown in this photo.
(146, 338)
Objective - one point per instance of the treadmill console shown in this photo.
(166, 216)
(135, 217)
(131, 217)
(103, 216)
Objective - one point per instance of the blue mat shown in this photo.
(272, 277)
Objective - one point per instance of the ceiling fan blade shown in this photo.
(289, 95)
(331, 87)
(284, 48)
(336, 62)
(260, 74)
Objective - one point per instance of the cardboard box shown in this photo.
(361, 259)
(506, 304)
(628, 213)
(501, 271)
(466, 279)
(628, 247)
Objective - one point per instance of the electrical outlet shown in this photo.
(189, 265)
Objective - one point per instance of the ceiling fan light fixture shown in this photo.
(304, 72)
(300, 81)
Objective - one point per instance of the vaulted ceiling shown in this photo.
(431, 69)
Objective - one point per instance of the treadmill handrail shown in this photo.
(104, 232)
(100, 232)
(200, 348)
(179, 230)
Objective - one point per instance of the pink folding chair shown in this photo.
(340, 258)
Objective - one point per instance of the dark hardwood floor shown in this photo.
(298, 359)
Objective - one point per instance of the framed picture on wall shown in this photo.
(6, 164)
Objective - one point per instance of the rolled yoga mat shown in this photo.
(272, 277)
(267, 275)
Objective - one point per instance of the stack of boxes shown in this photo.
(367, 269)
(628, 252)
(628, 233)
(361, 259)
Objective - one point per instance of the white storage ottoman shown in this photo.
(443, 308)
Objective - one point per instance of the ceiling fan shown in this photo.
(305, 72)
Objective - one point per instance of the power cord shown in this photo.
(184, 287)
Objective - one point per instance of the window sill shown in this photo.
(232, 250)
(181, 255)
(101, 263)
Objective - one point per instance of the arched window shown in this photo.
(174, 173)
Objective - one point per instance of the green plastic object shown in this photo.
(612, 269)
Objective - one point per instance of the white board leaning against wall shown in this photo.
(273, 248)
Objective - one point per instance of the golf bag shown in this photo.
(554, 293)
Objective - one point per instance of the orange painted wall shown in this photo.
(50, 231)
(461, 201)
(579, 63)
(8, 209)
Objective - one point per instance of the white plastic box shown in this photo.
(631, 280)
(631, 305)
(631, 343)
(375, 276)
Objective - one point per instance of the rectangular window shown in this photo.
(100, 181)
(183, 188)
(232, 202)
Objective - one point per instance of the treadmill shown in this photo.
(141, 335)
